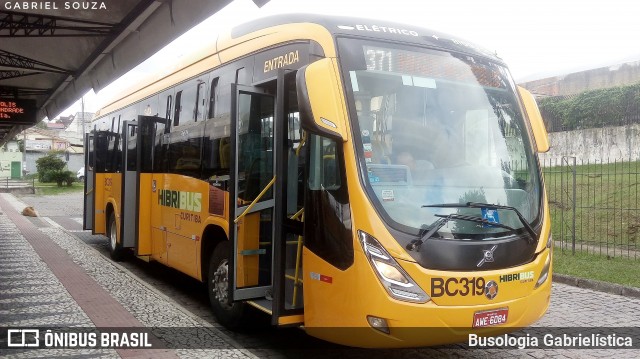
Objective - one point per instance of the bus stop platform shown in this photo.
(50, 279)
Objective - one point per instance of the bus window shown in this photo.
(198, 110)
(131, 150)
(255, 144)
(149, 107)
(212, 98)
(216, 147)
(168, 111)
(178, 109)
(324, 172)
(327, 204)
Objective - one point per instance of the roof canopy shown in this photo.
(55, 54)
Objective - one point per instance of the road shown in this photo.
(570, 307)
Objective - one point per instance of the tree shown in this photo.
(48, 165)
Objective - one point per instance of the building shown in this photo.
(627, 73)
(10, 160)
(39, 142)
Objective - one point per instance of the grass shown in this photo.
(586, 265)
(607, 213)
(607, 220)
(46, 189)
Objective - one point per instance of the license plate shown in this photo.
(488, 318)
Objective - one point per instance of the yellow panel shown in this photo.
(159, 245)
(291, 319)
(230, 49)
(99, 204)
(326, 99)
(248, 239)
(144, 215)
(535, 118)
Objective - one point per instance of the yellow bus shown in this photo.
(375, 183)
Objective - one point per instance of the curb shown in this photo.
(185, 311)
(597, 285)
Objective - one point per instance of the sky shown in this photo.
(536, 39)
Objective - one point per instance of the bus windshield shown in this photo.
(436, 127)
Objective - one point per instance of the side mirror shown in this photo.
(320, 100)
(537, 124)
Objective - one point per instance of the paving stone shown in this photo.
(570, 306)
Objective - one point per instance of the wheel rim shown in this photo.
(220, 283)
(112, 235)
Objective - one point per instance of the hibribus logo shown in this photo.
(188, 201)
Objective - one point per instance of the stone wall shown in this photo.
(592, 145)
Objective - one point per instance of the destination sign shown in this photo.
(17, 111)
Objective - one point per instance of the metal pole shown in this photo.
(563, 241)
(573, 245)
(83, 129)
(24, 150)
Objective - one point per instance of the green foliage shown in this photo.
(62, 177)
(49, 164)
(585, 265)
(47, 189)
(596, 108)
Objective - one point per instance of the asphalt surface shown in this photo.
(159, 296)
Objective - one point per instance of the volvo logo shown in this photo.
(487, 256)
(491, 289)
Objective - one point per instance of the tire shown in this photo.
(232, 315)
(115, 249)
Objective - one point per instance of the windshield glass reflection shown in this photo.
(436, 127)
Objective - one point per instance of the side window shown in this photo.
(327, 204)
(131, 149)
(198, 111)
(188, 109)
(130, 113)
(216, 152)
(212, 98)
(149, 106)
(324, 172)
(178, 109)
(168, 111)
(255, 144)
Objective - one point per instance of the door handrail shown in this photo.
(253, 203)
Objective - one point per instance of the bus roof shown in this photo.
(334, 25)
(379, 29)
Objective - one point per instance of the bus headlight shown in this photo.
(395, 280)
(544, 274)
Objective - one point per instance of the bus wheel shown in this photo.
(115, 249)
(229, 314)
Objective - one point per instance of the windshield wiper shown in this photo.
(526, 224)
(416, 243)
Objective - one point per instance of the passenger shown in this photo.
(419, 168)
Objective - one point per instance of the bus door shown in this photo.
(89, 183)
(251, 200)
(100, 160)
(287, 247)
(149, 184)
(129, 200)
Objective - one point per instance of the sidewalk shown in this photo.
(48, 278)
